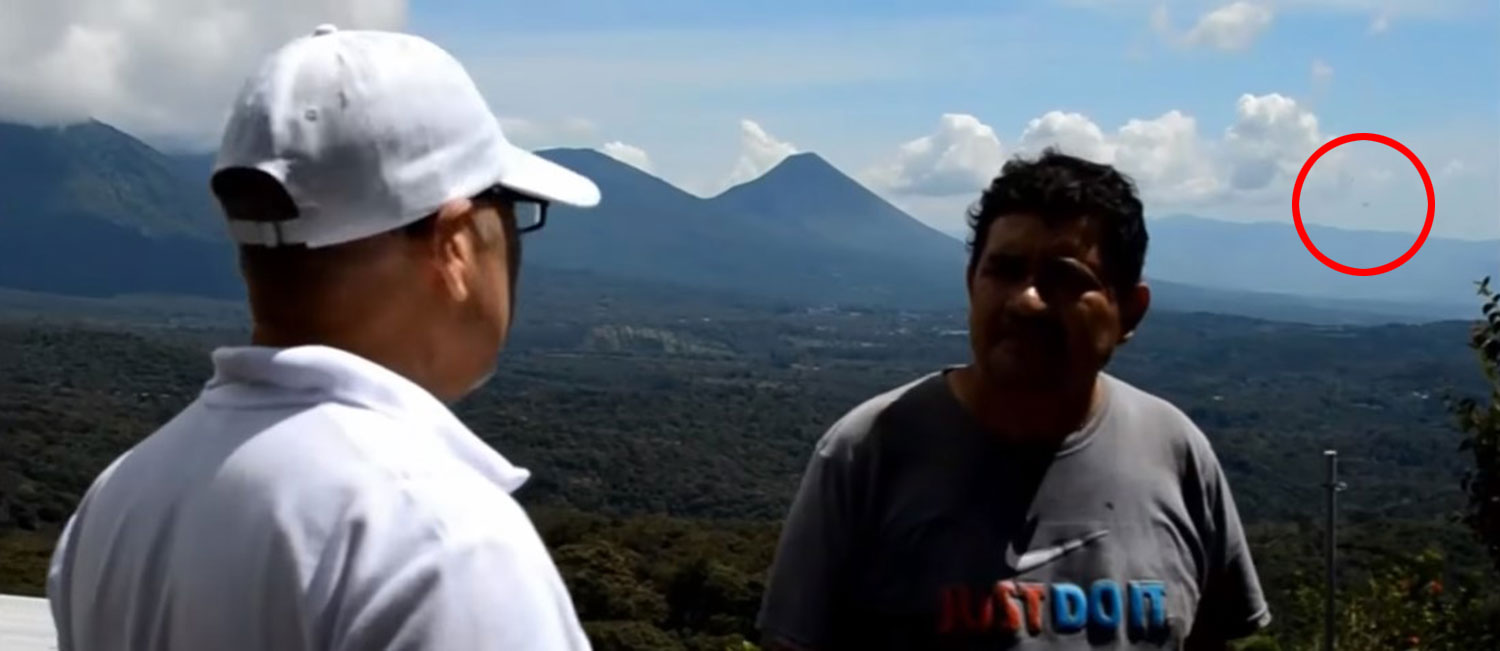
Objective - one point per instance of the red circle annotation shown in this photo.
(1297, 204)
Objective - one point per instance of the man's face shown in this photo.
(499, 265)
(1042, 314)
(478, 254)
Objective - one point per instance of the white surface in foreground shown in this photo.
(26, 624)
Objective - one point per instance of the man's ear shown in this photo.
(1133, 307)
(452, 248)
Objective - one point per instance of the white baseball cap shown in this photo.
(369, 131)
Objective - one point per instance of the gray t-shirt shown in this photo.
(915, 529)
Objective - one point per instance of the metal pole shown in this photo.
(1330, 538)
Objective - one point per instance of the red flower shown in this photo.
(1435, 588)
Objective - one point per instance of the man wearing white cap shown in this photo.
(319, 494)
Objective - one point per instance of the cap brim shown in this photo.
(533, 175)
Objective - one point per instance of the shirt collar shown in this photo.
(313, 374)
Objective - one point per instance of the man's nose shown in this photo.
(1030, 300)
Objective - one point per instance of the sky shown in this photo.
(1212, 107)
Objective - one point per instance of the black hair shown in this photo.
(1061, 189)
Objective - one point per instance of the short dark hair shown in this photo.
(1061, 189)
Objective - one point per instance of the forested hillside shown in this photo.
(666, 439)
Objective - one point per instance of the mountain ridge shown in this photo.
(804, 231)
(807, 194)
(1271, 257)
(1409, 236)
(719, 242)
(94, 170)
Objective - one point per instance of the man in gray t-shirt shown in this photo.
(1027, 500)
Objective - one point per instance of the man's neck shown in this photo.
(376, 344)
(1032, 417)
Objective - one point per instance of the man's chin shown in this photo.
(481, 381)
(473, 386)
(1027, 375)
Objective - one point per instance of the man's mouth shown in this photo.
(1045, 337)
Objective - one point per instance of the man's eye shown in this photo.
(1068, 276)
(1006, 268)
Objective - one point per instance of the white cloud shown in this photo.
(628, 154)
(1270, 139)
(1165, 155)
(1321, 72)
(759, 152)
(1219, 25)
(1455, 167)
(164, 69)
(1173, 164)
(1071, 133)
(1246, 171)
(537, 134)
(1381, 14)
(1168, 159)
(1440, 9)
(1232, 27)
(960, 157)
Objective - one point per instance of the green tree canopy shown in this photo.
(1480, 422)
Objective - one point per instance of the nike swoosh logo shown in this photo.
(1039, 557)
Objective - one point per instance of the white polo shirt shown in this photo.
(308, 499)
